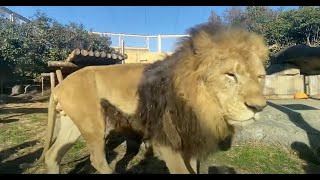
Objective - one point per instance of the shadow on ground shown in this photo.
(221, 170)
(8, 120)
(24, 111)
(310, 154)
(12, 166)
(148, 165)
(299, 107)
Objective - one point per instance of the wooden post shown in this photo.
(59, 75)
(61, 64)
(42, 86)
(73, 55)
(52, 80)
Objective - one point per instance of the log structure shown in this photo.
(80, 58)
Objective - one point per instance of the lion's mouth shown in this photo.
(250, 119)
(243, 119)
(243, 122)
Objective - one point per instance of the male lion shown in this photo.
(185, 105)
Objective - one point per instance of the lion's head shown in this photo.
(228, 66)
(213, 80)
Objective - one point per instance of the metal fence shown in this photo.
(12, 16)
(155, 43)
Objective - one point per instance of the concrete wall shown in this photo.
(143, 55)
(283, 87)
(312, 85)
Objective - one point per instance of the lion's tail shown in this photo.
(50, 129)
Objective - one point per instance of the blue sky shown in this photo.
(146, 20)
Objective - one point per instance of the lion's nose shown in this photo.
(256, 106)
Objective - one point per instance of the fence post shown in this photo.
(148, 43)
(159, 43)
(119, 40)
(122, 47)
(11, 18)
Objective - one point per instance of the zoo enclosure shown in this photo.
(152, 43)
(284, 87)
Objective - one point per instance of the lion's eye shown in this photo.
(262, 76)
(232, 76)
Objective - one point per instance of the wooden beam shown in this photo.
(84, 52)
(114, 56)
(59, 75)
(73, 55)
(97, 54)
(103, 54)
(45, 75)
(42, 86)
(90, 53)
(52, 81)
(61, 64)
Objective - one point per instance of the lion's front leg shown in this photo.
(174, 160)
(194, 165)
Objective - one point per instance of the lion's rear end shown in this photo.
(79, 98)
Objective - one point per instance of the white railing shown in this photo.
(159, 38)
(13, 16)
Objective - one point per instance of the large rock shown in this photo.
(297, 51)
(279, 125)
(16, 90)
(283, 70)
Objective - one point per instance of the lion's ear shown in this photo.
(200, 42)
(201, 36)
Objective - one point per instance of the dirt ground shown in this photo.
(22, 130)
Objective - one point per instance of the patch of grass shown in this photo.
(77, 150)
(37, 117)
(14, 134)
(27, 128)
(259, 159)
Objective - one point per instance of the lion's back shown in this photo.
(116, 83)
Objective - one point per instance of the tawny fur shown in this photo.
(183, 105)
(170, 85)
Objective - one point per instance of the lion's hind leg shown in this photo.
(66, 137)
